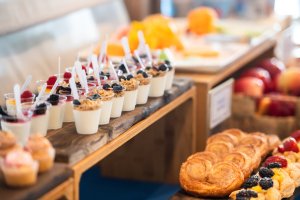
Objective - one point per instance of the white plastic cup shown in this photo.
(106, 112)
(157, 86)
(130, 98)
(170, 78)
(57, 113)
(143, 93)
(86, 122)
(68, 117)
(117, 107)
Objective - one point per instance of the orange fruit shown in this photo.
(115, 49)
(202, 20)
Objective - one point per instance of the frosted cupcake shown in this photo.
(158, 81)
(8, 142)
(144, 86)
(130, 97)
(41, 151)
(19, 169)
(87, 114)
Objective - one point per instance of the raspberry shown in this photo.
(67, 75)
(51, 80)
(26, 94)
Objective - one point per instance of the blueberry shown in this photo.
(265, 172)
(145, 75)
(107, 74)
(266, 183)
(95, 96)
(148, 67)
(163, 67)
(140, 72)
(167, 62)
(117, 88)
(122, 68)
(53, 99)
(251, 182)
(76, 102)
(91, 78)
(122, 78)
(129, 77)
(106, 86)
(274, 165)
(246, 194)
(114, 84)
(40, 109)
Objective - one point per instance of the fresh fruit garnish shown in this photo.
(296, 135)
(117, 88)
(139, 71)
(40, 109)
(251, 182)
(276, 159)
(106, 87)
(265, 172)
(122, 68)
(242, 194)
(51, 80)
(163, 67)
(274, 165)
(122, 78)
(76, 102)
(145, 75)
(94, 97)
(129, 77)
(53, 99)
(289, 144)
(67, 75)
(114, 84)
(266, 183)
(26, 94)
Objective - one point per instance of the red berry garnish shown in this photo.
(84, 68)
(26, 94)
(276, 159)
(51, 80)
(67, 75)
(281, 148)
(296, 135)
(91, 65)
(290, 144)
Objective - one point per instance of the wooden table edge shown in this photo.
(64, 189)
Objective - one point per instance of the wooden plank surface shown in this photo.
(72, 147)
(45, 183)
(182, 195)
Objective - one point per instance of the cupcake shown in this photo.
(8, 142)
(41, 151)
(19, 169)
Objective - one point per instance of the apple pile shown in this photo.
(270, 83)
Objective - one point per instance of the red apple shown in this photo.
(260, 73)
(281, 105)
(273, 66)
(250, 86)
(288, 82)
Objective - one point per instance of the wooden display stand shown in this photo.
(206, 82)
(81, 152)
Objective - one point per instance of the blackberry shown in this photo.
(145, 75)
(114, 84)
(274, 165)
(122, 68)
(76, 102)
(265, 172)
(163, 67)
(140, 71)
(251, 182)
(266, 183)
(40, 109)
(246, 194)
(129, 77)
(106, 86)
(53, 99)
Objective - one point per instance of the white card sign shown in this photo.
(220, 99)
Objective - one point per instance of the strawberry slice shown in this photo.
(277, 159)
(290, 144)
(296, 135)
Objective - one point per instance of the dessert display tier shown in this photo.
(71, 147)
(46, 182)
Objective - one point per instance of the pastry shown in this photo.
(242, 161)
(219, 148)
(8, 142)
(257, 141)
(252, 152)
(41, 151)
(223, 137)
(205, 155)
(206, 181)
(235, 132)
(19, 169)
